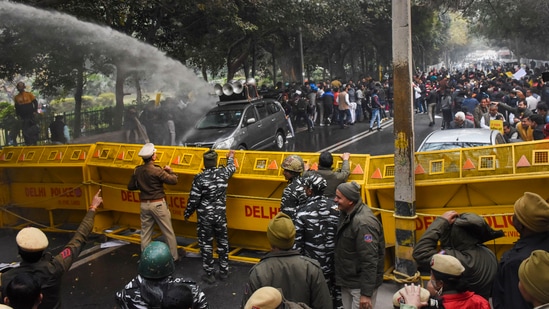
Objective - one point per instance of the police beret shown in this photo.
(266, 297)
(147, 151)
(31, 239)
(447, 264)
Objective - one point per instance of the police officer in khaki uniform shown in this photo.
(48, 270)
(150, 180)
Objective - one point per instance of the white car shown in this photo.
(460, 138)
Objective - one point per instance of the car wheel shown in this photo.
(280, 139)
(242, 147)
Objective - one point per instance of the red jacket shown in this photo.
(465, 300)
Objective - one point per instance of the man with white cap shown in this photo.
(534, 279)
(150, 179)
(48, 270)
(448, 283)
(298, 277)
(531, 220)
(268, 297)
(359, 251)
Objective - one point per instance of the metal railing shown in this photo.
(92, 122)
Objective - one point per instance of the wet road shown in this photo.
(356, 138)
(100, 272)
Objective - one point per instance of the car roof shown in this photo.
(471, 135)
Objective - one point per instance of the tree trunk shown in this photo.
(78, 102)
(121, 75)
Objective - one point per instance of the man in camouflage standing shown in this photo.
(316, 226)
(209, 198)
(294, 194)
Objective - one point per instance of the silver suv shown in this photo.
(242, 124)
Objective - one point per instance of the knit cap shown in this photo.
(351, 190)
(534, 275)
(533, 211)
(210, 158)
(281, 231)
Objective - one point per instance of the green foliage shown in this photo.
(64, 105)
(7, 115)
(106, 99)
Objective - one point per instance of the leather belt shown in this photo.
(154, 201)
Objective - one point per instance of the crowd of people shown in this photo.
(332, 103)
(475, 98)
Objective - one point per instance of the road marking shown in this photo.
(93, 256)
(355, 138)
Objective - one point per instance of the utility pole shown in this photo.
(301, 57)
(405, 194)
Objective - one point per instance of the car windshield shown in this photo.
(445, 146)
(220, 119)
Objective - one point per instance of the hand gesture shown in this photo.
(96, 201)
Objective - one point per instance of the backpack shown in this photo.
(302, 105)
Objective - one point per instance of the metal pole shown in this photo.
(301, 57)
(405, 195)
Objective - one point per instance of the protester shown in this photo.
(26, 108)
(462, 236)
(59, 131)
(534, 279)
(531, 220)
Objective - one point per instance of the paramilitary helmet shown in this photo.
(293, 163)
(156, 261)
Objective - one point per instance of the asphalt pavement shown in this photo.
(105, 267)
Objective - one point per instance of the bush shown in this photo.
(106, 99)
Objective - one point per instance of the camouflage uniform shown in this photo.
(208, 198)
(316, 227)
(293, 196)
(130, 296)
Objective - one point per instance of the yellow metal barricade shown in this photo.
(51, 186)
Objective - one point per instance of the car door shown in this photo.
(265, 132)
(251, 128)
